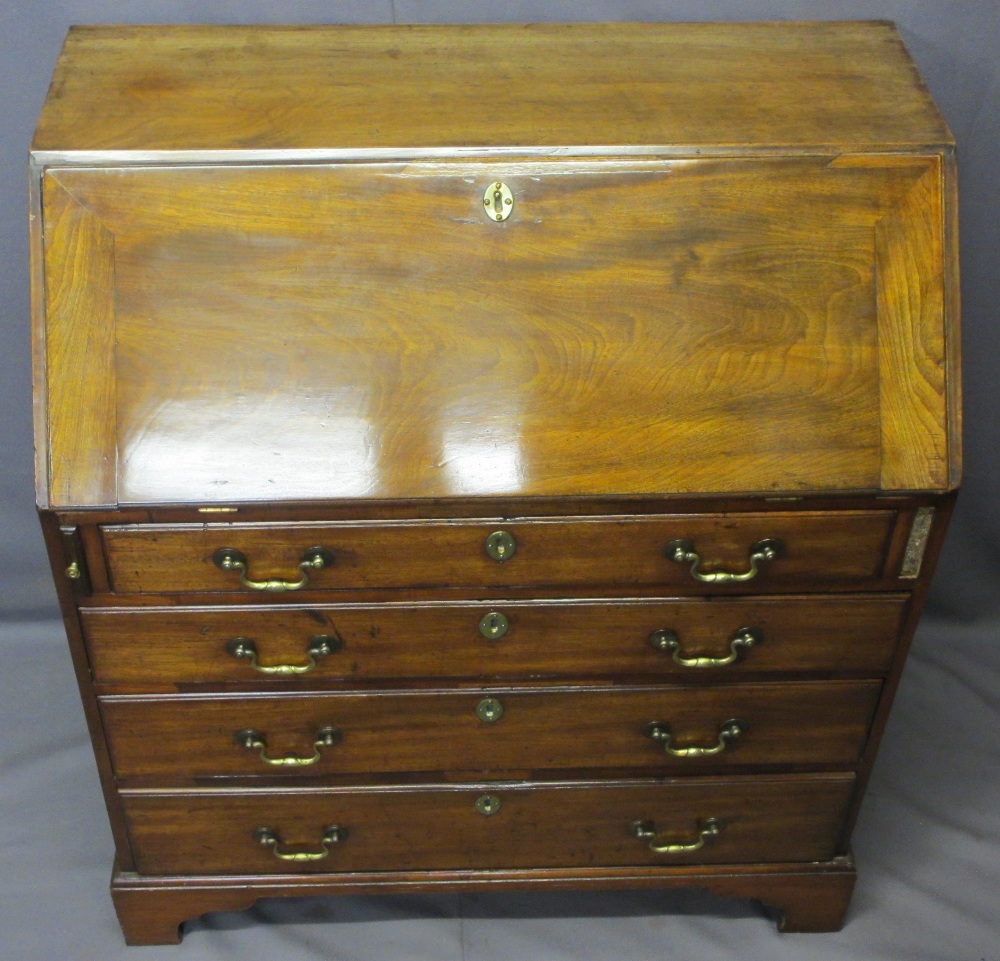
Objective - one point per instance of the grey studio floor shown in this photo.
(927, 846)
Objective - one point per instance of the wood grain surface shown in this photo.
(557, 84)
(635, 327)
(808, 896)
(910, 295)
(192, 736)
(789, 819)
(428, 640)
(835, 549)
(80, 450)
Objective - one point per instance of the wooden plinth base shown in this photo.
(810, 897)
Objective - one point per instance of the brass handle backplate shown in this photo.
(708, 828)
(728, 731)
(268, 838)
(255, 741)
(322, 645)
(498, 201)
(230, 559)
(669, 642)
(682, 551)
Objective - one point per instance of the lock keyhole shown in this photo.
(493, 625)
(498, 201)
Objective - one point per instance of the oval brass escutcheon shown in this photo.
(498, 201)
(500, 545)
(493, 625)
(487, 804)
(489, 710)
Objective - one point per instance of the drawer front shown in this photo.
(757, 819)
(690, 639)
(821, 723)
(676, 552)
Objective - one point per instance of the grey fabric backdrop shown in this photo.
(46, 772)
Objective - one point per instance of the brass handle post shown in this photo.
(242, 648)
(708, 828)
(268, 838)
(728, 731)
(230, 559)
(668, 642)
(255, 741)
(682, 551)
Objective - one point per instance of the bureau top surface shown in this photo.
(350, 88)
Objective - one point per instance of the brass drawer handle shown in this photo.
(255, 741)
(682, 551)
(314, 559)
(708, 828)
(242, 648)
(741, 641)
(728, 731)
(268, 838)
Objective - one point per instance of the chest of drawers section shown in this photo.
(622, 709)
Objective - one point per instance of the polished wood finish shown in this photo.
(189, 88)
(808, 897)
(833, 550)
(80, 323)
(570, 825)
(914, 437)
(275, 317)
(699, 338)
(191, 736)
(55, 545)
(442, 640)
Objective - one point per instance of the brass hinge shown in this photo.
(76, 560)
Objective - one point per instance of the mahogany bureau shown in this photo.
(491, 456)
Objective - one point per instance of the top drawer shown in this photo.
(681, 554)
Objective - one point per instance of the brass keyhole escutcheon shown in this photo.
(487, 804)
(498, 201)
(500, 545)
(489, 710)
(493, 625)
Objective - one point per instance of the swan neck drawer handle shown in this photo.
(242, 648)
(230, 559)
(268, 838)
(255, 741)
(728, 731)
(668, 642)
(682, 551)
(708, 828)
